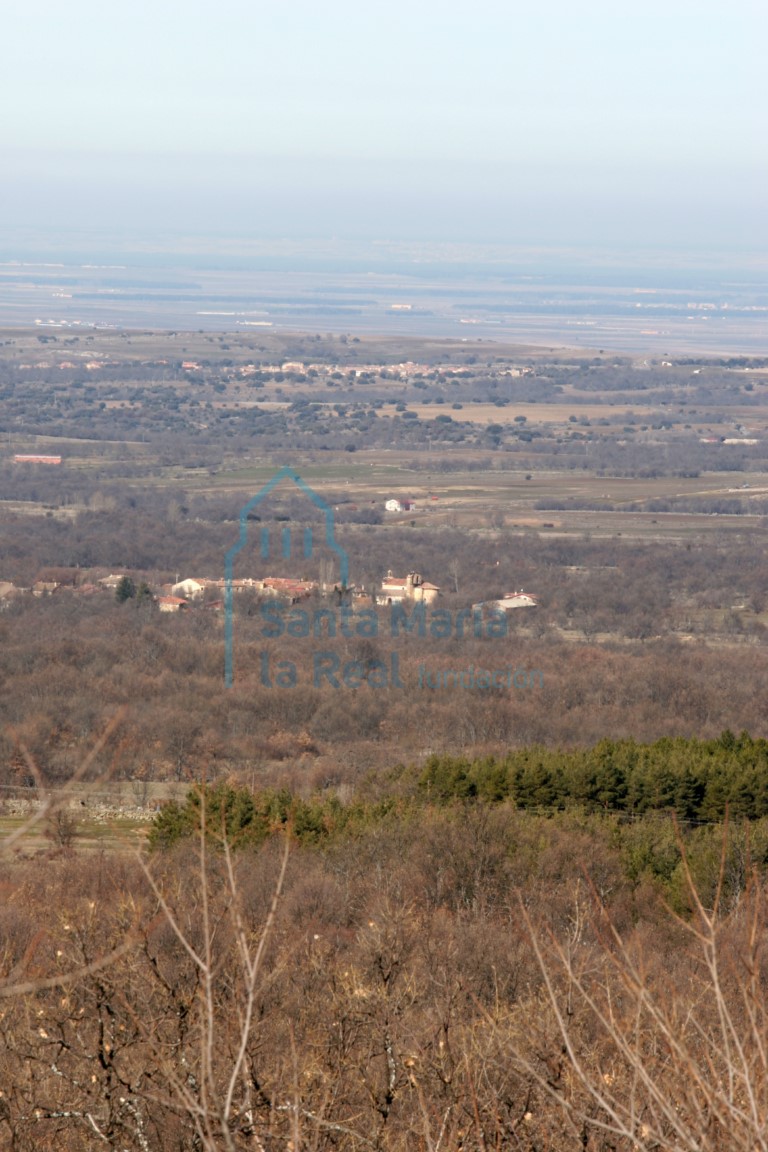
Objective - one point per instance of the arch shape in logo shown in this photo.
(330, 542)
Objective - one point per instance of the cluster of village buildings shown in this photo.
(209, 593)
(404, 371)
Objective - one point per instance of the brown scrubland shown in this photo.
(411, 908)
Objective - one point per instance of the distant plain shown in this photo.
(621, 301)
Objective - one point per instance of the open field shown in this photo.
(112, 833)
(114, 817)
(546, 413)
(476, 499)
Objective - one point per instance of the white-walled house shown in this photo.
(190, 589)
(393, 505)
(510, 600)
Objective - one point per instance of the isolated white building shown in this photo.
(514, 600)
(399, 505)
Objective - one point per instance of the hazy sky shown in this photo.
(573, 121)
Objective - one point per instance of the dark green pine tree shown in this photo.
(125, 590)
